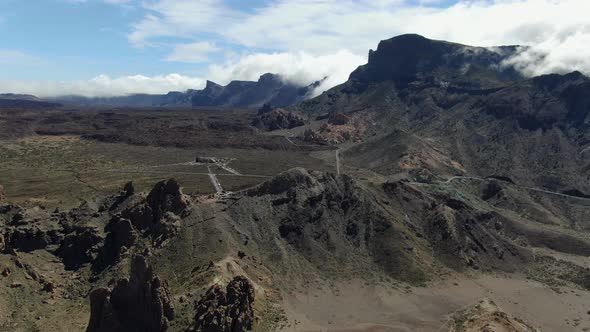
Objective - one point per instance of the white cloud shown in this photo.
(192, 53)
(300, 67)
(180, 18)
(104, 85)
(558, 29)
(305, 40)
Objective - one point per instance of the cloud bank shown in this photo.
(105, 86)
(297, 67)
(305, 40)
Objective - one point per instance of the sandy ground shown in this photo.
(355, 306)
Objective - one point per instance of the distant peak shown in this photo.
(269, 77)
(211, 84)
(408, 36)
(409, 57)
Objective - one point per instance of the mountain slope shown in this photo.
(465, 103)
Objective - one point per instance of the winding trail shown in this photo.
(451, 179)
(290, 141)
(215, 181)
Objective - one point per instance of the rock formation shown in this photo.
(278, 119)
(79, 247)
(2, 193)
(269, 88)
(487, 316)
(140, 303)
(410, 57)
(159, 214)
(226, 311)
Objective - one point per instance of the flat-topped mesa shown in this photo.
(411, 57)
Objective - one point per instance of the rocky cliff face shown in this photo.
(140, 303)
(228, 310)
(408, 58)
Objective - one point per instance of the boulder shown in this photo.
(140, 303)
(226, 311)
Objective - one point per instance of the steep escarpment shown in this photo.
(412, 58)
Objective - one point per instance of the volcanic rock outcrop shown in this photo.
(159, 214)
(30, 230)
(140, 303)
(328, 221)
(278, 119)
(487, 316)
(226, 311)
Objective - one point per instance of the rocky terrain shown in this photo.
(278, 118)
(486, 316)
(456, 199)
(294, 228)
(464, 103)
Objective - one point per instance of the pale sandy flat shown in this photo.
(354, 306)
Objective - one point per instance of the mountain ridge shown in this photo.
(484, 117)
(270, 88)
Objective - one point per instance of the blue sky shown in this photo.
(114, 47)
(78, 40)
